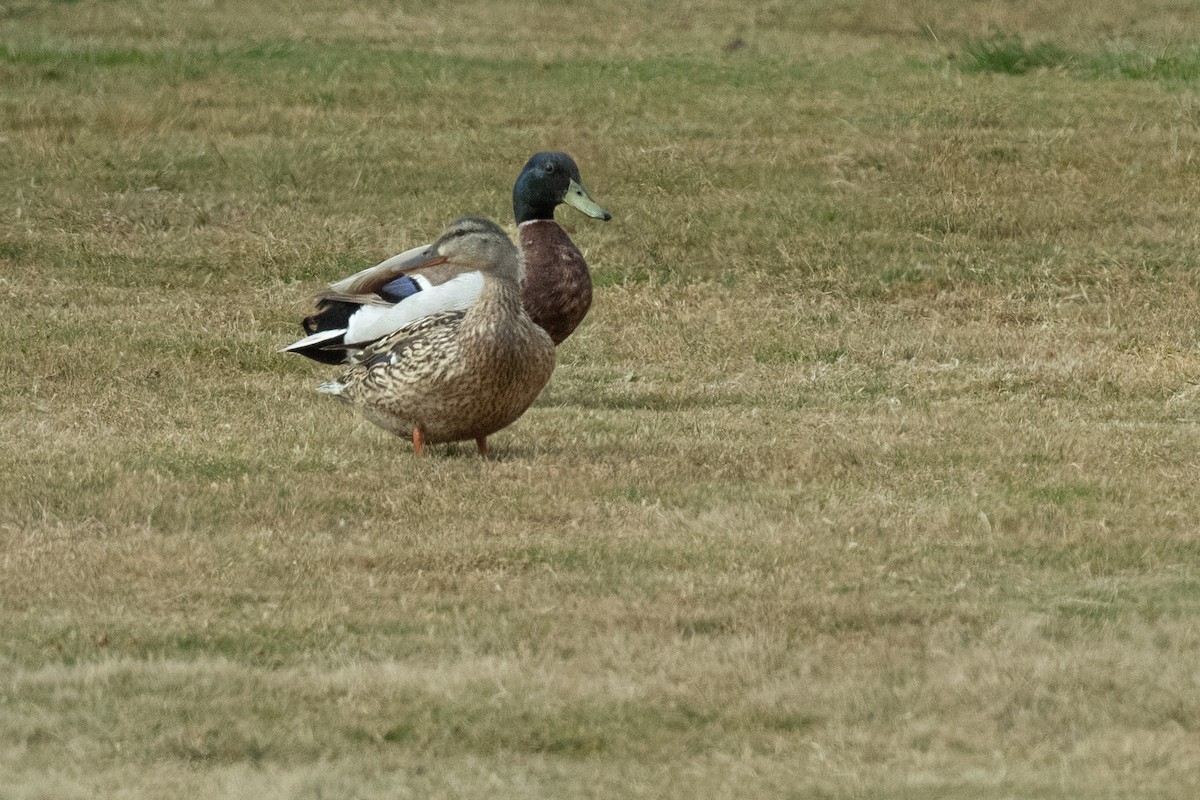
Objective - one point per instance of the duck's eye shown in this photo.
(550, 168)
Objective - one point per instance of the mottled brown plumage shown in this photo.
(461, 374)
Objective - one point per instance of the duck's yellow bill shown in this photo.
(578, 198)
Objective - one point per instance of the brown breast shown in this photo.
(557, 290)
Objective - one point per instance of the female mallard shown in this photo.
(456, 374)
(556, 291)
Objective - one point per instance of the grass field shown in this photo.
(872, 473)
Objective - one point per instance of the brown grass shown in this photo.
(871, 474)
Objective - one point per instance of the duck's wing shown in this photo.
(414, 352)
(390, 279)
(379, 300)
(372, 279)
(372, 321)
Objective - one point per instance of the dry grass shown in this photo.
(871, 474)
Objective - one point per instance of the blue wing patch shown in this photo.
(396, 290)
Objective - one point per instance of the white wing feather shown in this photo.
(374, 322)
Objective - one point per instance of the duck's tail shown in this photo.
(326, 329)
(328, 347)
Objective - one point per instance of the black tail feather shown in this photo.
(331, 315)
(331, 351)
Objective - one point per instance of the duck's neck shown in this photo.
(497, 298)
(493, 322)
(525, 210)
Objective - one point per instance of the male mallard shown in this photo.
(456, 374)
(557, 288)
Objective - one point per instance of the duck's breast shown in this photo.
(557, 289)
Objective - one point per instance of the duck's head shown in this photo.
(548, 180)
(475, 243)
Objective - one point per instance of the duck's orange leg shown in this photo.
(418, 442)
(481, 445)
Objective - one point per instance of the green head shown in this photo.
(548, 180)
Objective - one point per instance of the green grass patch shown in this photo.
(1172, 64)
(1012, 55)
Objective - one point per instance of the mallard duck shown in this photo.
(556, 289)
(456, 374)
